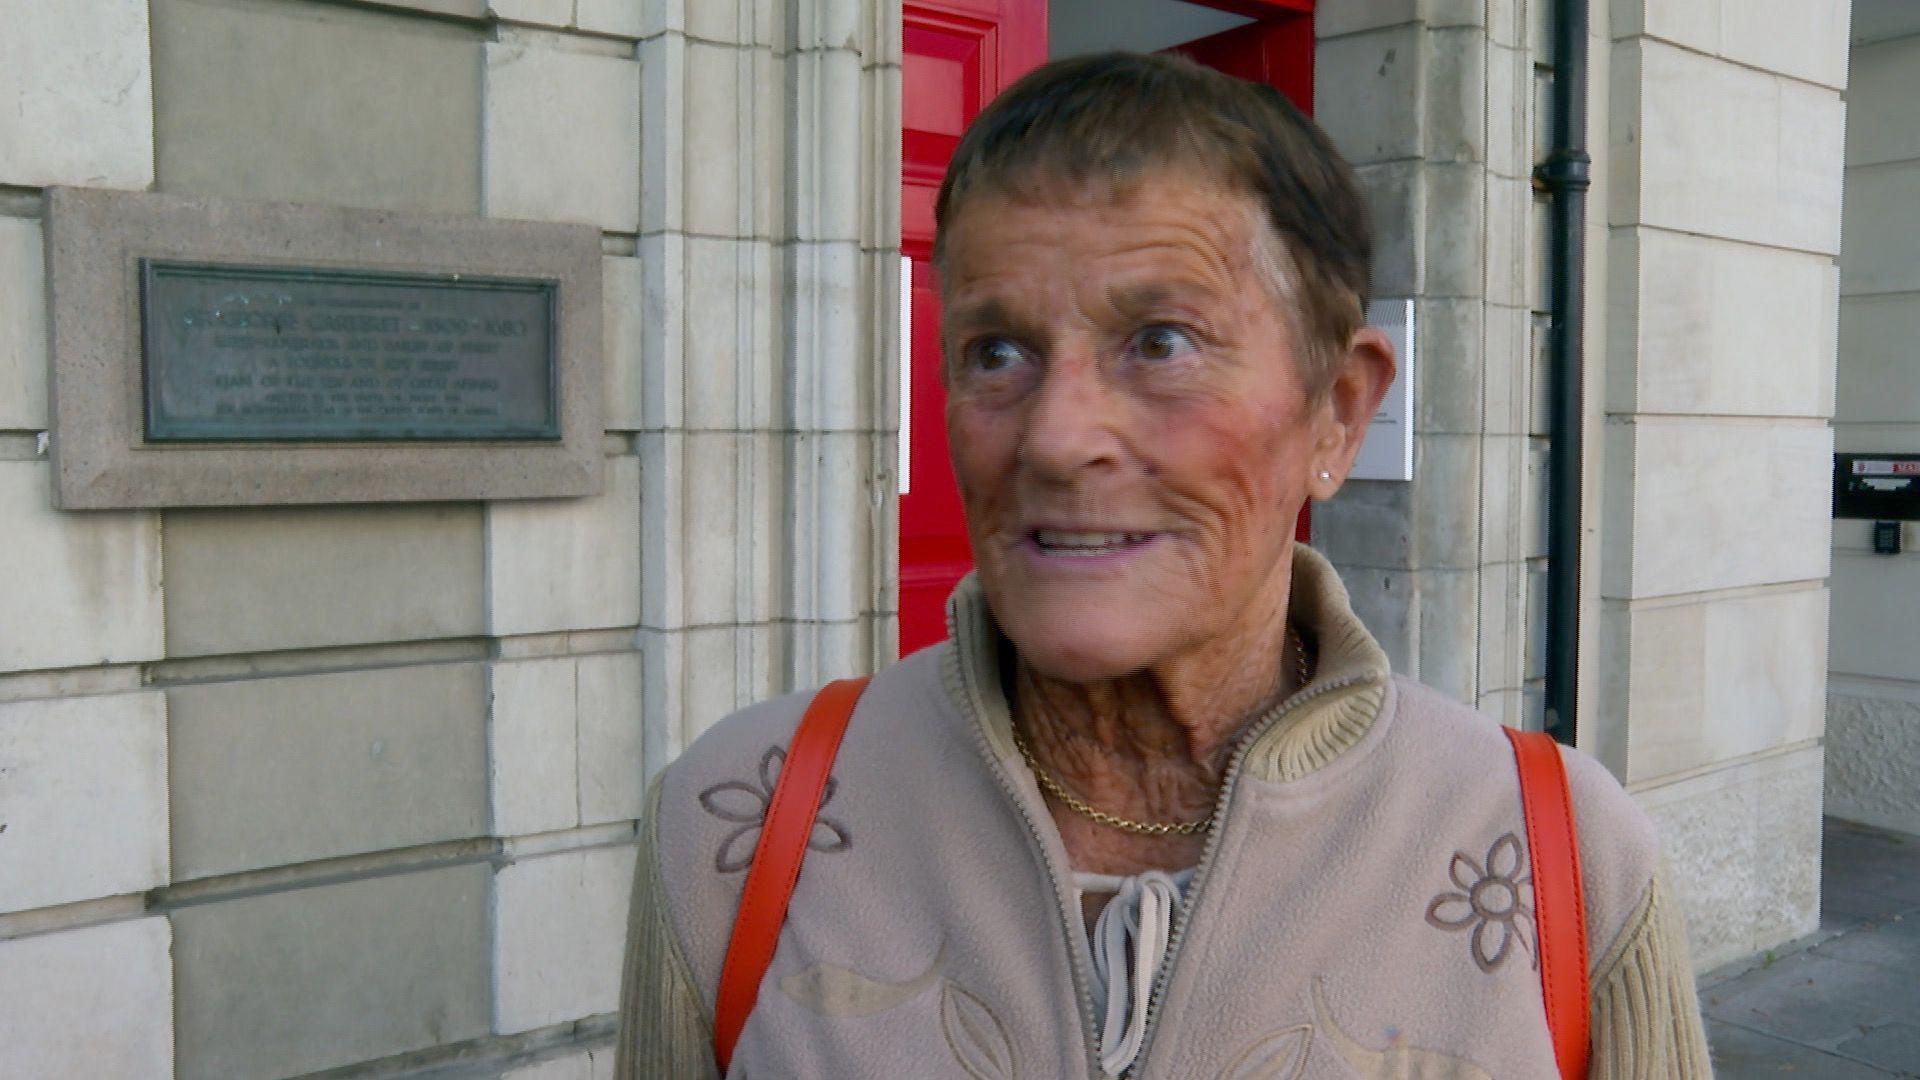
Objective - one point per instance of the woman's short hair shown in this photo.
(1116, 118)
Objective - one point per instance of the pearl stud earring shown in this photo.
(1325, 475)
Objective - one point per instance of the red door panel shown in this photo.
(958, 55)
(1277, 52)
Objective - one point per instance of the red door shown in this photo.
(1277, 50)
(957, 55)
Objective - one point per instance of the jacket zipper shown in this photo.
(1077, 946)
(1182, 914)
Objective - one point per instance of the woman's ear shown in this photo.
(1359, 383)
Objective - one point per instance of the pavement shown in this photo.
(1844, 1003)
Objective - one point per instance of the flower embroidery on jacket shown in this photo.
(745, 804)
(1490, 903)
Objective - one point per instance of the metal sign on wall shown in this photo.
(1387, 453)
(237, 353)
(210, 352)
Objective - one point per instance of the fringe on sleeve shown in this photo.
(665, 1033)
(1646, 1013)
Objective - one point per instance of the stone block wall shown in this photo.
(1433, 102)
(1873, 716)
(1719, 126)
(297, 789)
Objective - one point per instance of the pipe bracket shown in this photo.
(1564, 170)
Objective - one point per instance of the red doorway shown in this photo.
(957, 55)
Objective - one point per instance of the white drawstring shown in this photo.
(1129, 945)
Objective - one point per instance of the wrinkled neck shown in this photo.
(1185, 716)
(1152, 746)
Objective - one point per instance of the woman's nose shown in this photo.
(1072, 420)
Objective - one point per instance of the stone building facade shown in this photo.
(1723, 126)
(294, 789)
(353, 787)
(1873, 735)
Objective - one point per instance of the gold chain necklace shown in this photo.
(1080, 806)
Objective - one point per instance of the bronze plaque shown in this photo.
(242, 353)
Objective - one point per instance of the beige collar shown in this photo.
(1333, 711)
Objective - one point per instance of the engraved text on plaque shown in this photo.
(239, 353)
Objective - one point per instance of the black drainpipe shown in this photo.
(1565, 176)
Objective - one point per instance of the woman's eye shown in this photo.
(994, 354)
(1162, 343)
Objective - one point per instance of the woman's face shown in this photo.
(1128, 421)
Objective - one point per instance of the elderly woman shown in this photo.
(1157, 808)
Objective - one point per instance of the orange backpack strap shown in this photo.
(1559, 900)
(776, 860)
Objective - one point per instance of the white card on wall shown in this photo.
(1387, 453)
(905, 441)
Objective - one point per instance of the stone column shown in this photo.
(1722, 153)
(841, 264)
(769, 211)
(1430, 101)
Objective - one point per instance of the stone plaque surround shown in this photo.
(95, 243)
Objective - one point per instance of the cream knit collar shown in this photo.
(1338, 706)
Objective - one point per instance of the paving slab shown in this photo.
(1845, 1003)
(1739, 1054)
(1894, 1046)
(1866, 860)
(1815, 1000)
(1843, 907)
(1893, 942)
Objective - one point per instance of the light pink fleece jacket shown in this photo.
(1363, 908)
